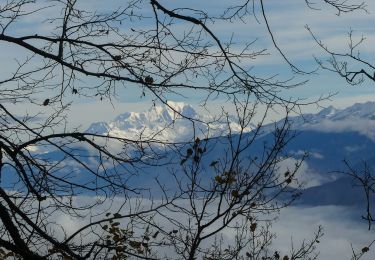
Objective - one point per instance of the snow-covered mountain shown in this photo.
(356, 111)
(359, 118)
(171, 122)
(329, 136)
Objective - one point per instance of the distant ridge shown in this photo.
(359, 118)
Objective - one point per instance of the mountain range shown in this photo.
(170, 122)
(329, 136)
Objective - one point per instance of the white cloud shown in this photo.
(316, 155)
(363, 126)
(342, 226)
(353, 148)
(305, 175)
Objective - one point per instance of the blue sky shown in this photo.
(287, 20)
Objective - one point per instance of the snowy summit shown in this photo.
(174, 121)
